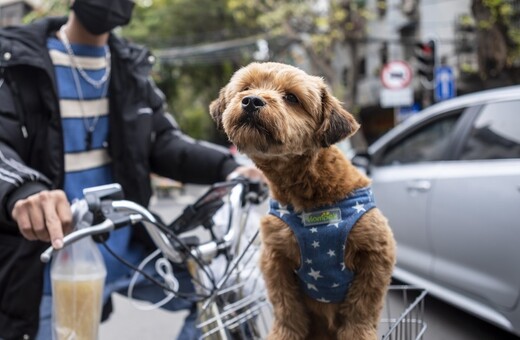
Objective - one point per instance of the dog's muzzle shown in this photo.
(252, 104)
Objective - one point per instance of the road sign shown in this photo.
(396, 98)
(444, 83)
(405, 112)
(396, 75)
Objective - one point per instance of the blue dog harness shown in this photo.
(322, 234)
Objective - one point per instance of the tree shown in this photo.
(498, 41)
(318, 26)
(48, 8)
(189, 87)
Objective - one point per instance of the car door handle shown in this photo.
(419, 186)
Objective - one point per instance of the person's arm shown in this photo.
(185, 159)
(27, 202)
(180, 157)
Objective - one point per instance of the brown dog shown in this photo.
(333, 287)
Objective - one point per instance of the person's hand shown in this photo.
(250, 172)
(45, 216)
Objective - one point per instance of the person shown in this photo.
(79, 109)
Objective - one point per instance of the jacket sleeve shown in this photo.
(180, 157)
(17, 180)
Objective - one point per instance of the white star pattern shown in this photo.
(312, 281)
(311, 286)
(359, 207)
(283, 210)
(315, 274)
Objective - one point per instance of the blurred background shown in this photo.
(353, 44)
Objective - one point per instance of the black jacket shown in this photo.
(31, 151)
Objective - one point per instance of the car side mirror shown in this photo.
(362, 162)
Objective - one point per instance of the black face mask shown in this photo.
(102, 16)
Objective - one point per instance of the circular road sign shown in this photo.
(396, 75)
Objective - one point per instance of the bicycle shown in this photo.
(229, 290)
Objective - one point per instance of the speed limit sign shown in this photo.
(396, 75)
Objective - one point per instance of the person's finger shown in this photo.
(65, 215)
(52, 222)
(37, 216)
(21, 216)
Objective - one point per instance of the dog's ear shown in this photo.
(217, 107)
(337, 124)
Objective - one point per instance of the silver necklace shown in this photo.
(75, 69)
(96, 83)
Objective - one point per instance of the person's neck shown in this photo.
(76, 33)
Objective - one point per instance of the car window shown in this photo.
(495, 133)
(424, 145)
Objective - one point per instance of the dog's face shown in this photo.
(277, 109)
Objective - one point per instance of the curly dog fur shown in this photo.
(287, 121)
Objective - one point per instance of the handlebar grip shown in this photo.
(256, 191)
(104, 227)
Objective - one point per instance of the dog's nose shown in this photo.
(252, 103)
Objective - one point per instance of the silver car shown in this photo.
(448, 179)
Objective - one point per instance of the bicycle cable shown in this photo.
(196, 297)
(187, 296)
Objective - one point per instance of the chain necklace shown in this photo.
(96, 83)
(75, 69)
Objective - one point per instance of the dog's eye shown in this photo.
(245, 89)
(291, 98)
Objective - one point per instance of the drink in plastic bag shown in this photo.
(78, 275)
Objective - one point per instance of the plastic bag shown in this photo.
(78, 275)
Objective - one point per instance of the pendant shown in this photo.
(88, 140)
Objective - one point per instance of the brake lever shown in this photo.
(106, 226)
(103, 227)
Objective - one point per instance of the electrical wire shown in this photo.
(173, 283)
(196, 297)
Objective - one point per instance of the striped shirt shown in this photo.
(80, 110)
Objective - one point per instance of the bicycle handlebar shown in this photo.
(118, 213)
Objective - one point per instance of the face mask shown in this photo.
(102, 16)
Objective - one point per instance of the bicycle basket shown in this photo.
(403, 314)
(239, 308)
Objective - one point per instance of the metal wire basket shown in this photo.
(403, 314)
(239, 309)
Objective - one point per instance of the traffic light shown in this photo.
(425, 55)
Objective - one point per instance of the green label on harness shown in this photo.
(322, 217)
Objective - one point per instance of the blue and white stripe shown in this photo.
(79, 110)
